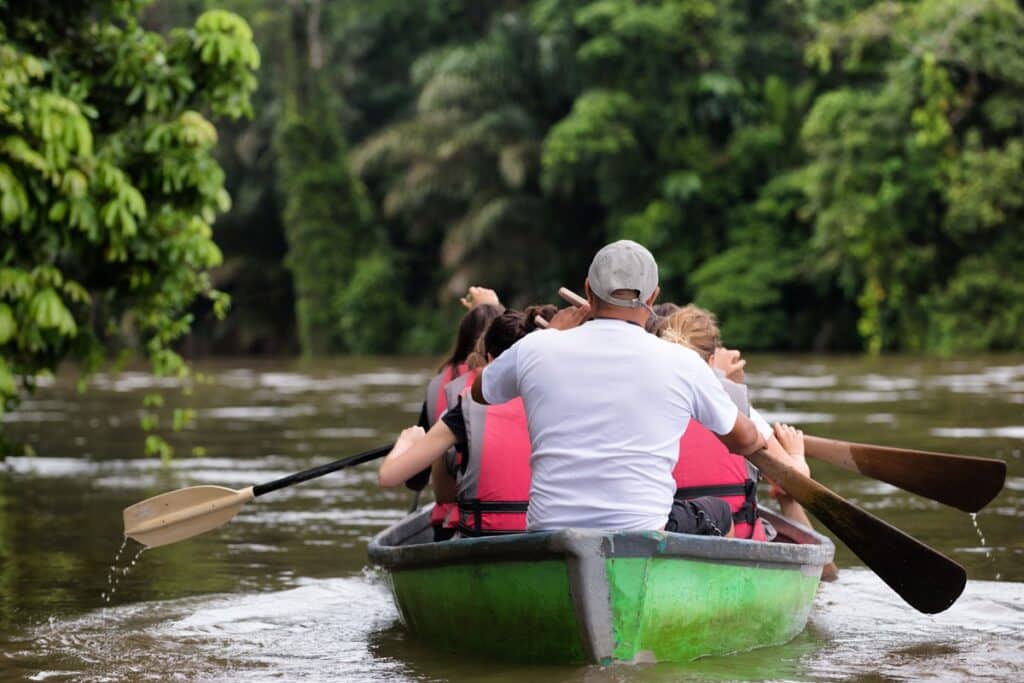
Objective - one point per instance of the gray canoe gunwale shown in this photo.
(402, 546)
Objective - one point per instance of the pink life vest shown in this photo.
(437, 400)
(494, 488)
(437, 403)
(707, 468)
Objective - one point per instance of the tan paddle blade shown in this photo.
(928, 580)
(177, 515)
(961, 481)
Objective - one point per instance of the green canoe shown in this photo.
(580, 595)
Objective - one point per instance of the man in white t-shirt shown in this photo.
(607, 404)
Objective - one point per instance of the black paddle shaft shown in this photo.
(314, 472)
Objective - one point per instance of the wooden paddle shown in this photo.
(961, 481)
(177, 515)
(928, 580)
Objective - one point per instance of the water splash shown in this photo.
(115, 574)
(981, 536)
(113, 569)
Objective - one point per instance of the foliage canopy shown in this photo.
(108, 183)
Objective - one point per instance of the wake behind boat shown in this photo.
(582, 595)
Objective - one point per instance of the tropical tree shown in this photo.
(461, 176)
(108, 185)
(915, 169)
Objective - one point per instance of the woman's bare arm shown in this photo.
(414, 451)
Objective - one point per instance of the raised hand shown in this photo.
(792, 439)
(729, 362)
(477, 296)
(570, 317)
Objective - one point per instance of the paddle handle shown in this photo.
(321, 470)
(571, 296)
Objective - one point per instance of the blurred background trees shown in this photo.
(824, 174)
(827, 174)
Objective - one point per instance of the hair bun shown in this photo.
(545, 311)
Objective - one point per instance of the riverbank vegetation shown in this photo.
(827, 175)
(824, 174)
(108, 183)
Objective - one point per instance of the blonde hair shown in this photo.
(693, 327)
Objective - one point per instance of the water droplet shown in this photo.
(116, 574)
(981, 536)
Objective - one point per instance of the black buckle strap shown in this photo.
(476, 508)
(718, 491)
(747, 512)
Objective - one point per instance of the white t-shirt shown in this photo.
(606, 404)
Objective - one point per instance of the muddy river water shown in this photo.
(284, 592)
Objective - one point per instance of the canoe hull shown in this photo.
(591, 596)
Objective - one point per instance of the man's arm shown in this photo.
(713, 408)
(744, 437)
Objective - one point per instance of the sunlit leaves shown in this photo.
(8, 326)
(106, 160)
(46, 310)
(599, 128)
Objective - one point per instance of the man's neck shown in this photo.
(637, 316)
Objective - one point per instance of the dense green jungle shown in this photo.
(181, 178)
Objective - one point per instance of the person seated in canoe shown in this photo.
(705, 466)
(484, 306)
(607, 404)
(492, 488)
(704, 463)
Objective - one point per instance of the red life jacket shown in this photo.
(494, 488)
(707, 468)
(437, 403)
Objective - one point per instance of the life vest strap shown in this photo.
(475, 508)
(747, 512)
(719, 491)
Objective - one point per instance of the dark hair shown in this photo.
(657, 321)
(511, 326)
(472, 326)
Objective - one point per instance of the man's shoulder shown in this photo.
(541, 339)
(668, 349)
(680, 360)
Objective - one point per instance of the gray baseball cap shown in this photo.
(623, 265)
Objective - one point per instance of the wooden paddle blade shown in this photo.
(177, 515)
(961, 481)
(928, 580)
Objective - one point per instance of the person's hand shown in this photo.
(477, 296)
(792, 439)
(729, 362)
(569, 317)
(408, 437)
